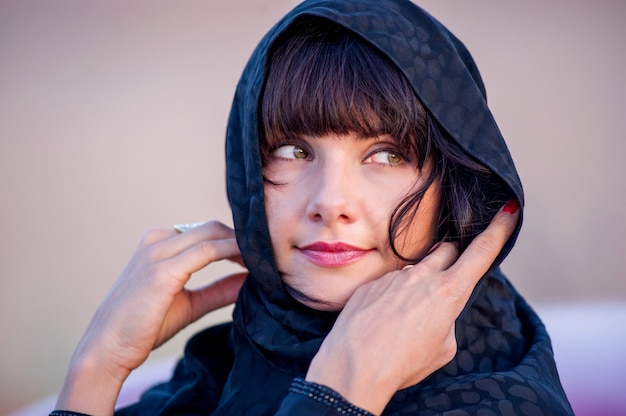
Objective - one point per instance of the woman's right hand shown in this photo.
(146, 306)
(397, 330)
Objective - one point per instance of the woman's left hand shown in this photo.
(398, 329)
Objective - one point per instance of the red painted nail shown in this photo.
(511, 207)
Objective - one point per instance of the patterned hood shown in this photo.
(443, 75)
(493, 350)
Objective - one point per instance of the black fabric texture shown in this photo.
(504, 364)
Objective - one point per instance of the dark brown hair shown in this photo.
(322, 78)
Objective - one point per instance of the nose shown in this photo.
(332, 196)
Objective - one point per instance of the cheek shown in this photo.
(279, 211)
(419, 233)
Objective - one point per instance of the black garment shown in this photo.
(504, 363)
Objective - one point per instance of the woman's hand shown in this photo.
(397, 330)
(147, 305)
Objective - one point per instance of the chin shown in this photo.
(327, 306)
(319, 301)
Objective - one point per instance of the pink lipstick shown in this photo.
(332, 254)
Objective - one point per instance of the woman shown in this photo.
(361, 160)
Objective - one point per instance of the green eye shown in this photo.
(386, 157)
(394, 158)
(299, 153)
(290, 151)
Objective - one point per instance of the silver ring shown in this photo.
(183, 228)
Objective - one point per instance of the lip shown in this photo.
(332, 254)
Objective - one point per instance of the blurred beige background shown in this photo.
(112, 117)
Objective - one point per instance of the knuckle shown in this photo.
(485, 244)
(151, 236)
(216, 226)
(208, 249)
(165, 272)
(447, 289)
(449, 246)
(217, 230)
(454, 289)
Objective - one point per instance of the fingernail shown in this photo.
(511, 206)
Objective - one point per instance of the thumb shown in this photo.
(215, 295)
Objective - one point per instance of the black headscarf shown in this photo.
(504, 363)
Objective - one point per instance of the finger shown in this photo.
(155, 235)
(144, 250)
(175, 271)
(211, 228)
(177, 243)
(442, 256)
(216, 295)
(483, 250)
(205, 252)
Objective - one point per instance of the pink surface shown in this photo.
(589, 341)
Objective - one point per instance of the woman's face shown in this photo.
(328, 211)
